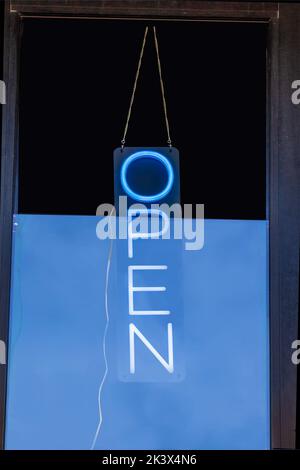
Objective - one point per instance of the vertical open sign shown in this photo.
(150, 314)
(149, 305)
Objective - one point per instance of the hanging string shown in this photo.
(134, 87)
(169, 142)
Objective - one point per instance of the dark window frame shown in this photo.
(283, 140)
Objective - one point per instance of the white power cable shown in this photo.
(104, 341)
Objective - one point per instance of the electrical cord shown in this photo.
(104, 340)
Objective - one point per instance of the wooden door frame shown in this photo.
(283, 142)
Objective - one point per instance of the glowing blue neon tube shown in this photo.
(156, 156)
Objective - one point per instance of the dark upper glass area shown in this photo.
(75, 86)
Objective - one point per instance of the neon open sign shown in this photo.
(148, 317)
(147, 304)
(134, 331)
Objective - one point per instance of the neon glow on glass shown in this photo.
(156, 156)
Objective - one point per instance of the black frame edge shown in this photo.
(8, 173)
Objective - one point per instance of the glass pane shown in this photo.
(219, 398)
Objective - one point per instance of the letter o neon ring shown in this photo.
(151, 197)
